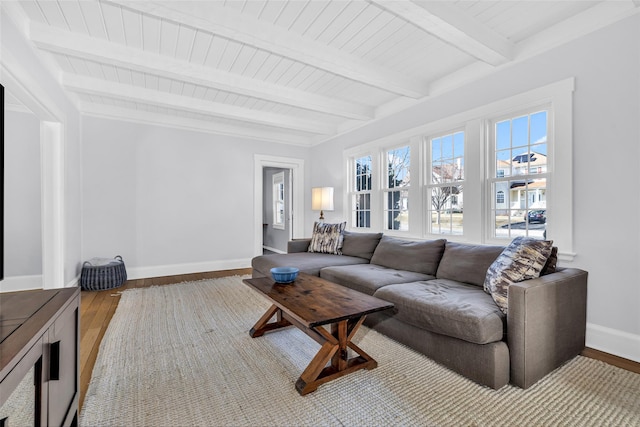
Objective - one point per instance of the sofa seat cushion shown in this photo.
(307, 262)
(449, 308)
(367, 278)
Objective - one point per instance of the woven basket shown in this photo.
(103, 273)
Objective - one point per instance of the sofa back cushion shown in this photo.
(418, 256)
(467, 263)
(361, 245)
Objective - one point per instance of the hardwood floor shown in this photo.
(97, 309)
(620, 362)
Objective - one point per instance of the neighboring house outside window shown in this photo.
(445, 183)
(362, 192)
(396, 193)
(520, 146)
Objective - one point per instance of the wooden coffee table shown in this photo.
(309, 303)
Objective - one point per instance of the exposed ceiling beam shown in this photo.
(233, 26)
(92, 86)
(454, 27)
(598, 16)
(102, 51)
(137, 116)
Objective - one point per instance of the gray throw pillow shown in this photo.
(418, 256)
(327, 238)
(523, 259)
(361, 245)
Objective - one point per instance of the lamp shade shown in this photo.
(322, 198)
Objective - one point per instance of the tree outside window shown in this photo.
(445, 186)
(397, 191)
(362, 197)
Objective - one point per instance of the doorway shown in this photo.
(277, 214)
(294, 170)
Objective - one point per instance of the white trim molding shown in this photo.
(278, 251)
(190, 268)
(613, 341)
(52, 154)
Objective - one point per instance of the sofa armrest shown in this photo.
(546, 323)
(298, 245)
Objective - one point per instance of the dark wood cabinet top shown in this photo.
(24, 316)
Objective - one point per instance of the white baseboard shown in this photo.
(177, 269)
(278, 251)
(21, 283)
(613, 341)
(73, 283)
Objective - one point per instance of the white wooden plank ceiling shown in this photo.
(293, 71)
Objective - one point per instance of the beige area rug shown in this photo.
(181, 355)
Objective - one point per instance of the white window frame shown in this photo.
(429, 184)
(492, 172)
(279, 201)
(477, 202)
(354, 192)
(384, 185)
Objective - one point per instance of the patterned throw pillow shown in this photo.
(327, 238)
(523, 259)
(552, 262)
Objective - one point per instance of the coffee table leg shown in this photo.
(335, 349)
(263, 326)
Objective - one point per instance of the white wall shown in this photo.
(38, 89)
(22, 220)
(170, 201)
(606, 146)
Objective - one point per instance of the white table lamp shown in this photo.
(322, 200)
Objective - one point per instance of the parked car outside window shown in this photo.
(537, 216)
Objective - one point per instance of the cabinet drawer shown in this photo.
(61, 372)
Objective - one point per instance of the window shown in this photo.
(485, 175)
(520, 145)
(362, 193)
(396, 197)
(278, 201)
(445, 183)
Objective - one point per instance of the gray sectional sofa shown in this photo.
(441, 309)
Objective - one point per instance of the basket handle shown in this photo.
(118, 257)
(86, 262)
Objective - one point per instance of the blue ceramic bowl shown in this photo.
(284, 274)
